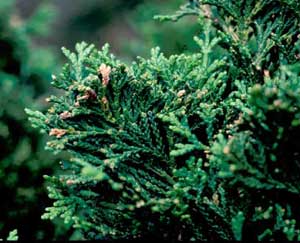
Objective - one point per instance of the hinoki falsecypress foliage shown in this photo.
(190, 147)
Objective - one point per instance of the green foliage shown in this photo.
(196, 146)
(24, 78)
(13, 236)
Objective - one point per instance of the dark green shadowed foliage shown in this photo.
(25, 76)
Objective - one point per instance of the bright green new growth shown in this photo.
(190, 147)
(13, 236)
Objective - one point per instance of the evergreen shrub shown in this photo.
(200, 146)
